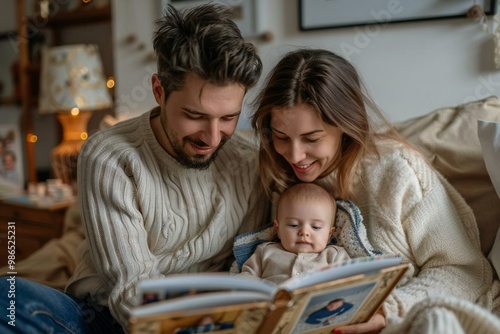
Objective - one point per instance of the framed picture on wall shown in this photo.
(320, 14)
(244, 12)
(11, 152)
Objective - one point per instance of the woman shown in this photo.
(316, 124)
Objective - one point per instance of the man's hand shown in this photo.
(374, 325)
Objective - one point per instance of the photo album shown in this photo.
(315, 302)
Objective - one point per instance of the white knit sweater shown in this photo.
(146, 216)
(410, 209)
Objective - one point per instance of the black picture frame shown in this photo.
(245, 12)
(322, 14)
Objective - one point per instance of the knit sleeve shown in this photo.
(114, 225)
(439, 239)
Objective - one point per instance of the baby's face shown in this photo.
(304, 227)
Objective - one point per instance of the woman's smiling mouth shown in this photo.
(303, 168)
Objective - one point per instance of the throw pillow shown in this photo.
(489, 136)
(448, 137)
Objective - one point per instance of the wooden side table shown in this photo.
(34, 226)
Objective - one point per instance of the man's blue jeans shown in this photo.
(36, 308)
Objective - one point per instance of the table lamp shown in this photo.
(72, 85)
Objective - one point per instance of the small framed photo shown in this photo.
(334, 308)
(11, 152)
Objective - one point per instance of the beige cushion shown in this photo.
(55, 262)
(448, 137)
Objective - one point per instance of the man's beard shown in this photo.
(198, 161)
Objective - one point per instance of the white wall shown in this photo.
(8, 49)
(409, 68)
(132, 57)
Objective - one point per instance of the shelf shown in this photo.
(34, 67)
(73, 18)
(8, 101)
(52, 27)
(8, 35)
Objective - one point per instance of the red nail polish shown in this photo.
(337, 331)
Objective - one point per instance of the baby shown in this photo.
(304, 223)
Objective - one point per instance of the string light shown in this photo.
(32, 138)
(110, 82)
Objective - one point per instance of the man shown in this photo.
(167, 191)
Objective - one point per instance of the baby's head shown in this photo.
(305, 218)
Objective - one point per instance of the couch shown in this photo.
(447, 136)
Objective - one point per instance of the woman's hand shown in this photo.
(374, 325)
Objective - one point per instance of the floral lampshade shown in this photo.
(72, 85)
(72, 76)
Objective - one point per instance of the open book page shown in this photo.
(178, 285)
(200, 301)
(343, 269)
(321, 308)
(213, 312)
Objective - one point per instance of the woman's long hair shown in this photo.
(330, 85)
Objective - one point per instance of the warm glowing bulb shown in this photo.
(75, 111)
(31, 138)
(84, 135)
(111, 82)
(87, 1)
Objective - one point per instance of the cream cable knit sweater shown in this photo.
(410, 209)
(446, 315)
(146, 216)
